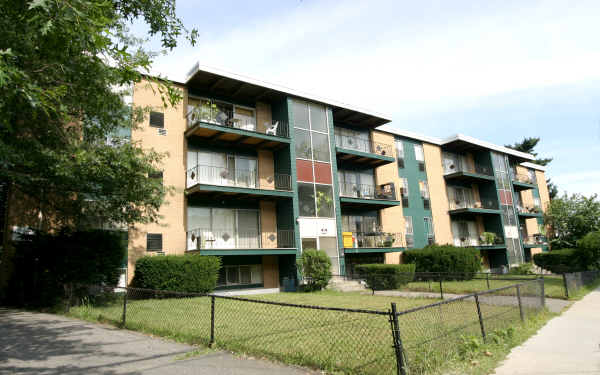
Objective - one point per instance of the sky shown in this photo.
(495, 70)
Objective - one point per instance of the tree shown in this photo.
(61, 66)
(571, 218)
(527, 145)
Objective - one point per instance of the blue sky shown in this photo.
(495, 70)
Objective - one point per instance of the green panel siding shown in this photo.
(336, 191)
(415, 207)
(295, 206)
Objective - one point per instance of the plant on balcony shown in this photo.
(488, 238)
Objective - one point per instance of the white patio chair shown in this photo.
(272, 130)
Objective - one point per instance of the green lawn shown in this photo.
(346, 342)
(553, 286)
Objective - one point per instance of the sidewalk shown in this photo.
(34, 343)
(568, 344)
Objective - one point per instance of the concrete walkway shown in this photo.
(553, 304)
(34, 343)
(568, 344)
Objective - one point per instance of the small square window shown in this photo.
(154, 242)
(157, 119)
(157, 175)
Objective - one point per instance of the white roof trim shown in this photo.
(199, 67)
(408, 134)
(534, 166)
(491, 146)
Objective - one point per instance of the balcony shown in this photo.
(216, 122)
(522, 181)
(248, 242)
(529, 211)
(371, 242)
(481, 242)
(236, 182)
(537, 240)
(468, 173)
(357, 151)
(469, 208)
(365, 195)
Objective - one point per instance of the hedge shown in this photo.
(462, 261)
(386, 276)
(181, 273)
(559, 261)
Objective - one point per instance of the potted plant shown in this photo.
(488, 238)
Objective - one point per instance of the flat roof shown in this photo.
(249, 88)
(461, 138)
(408, 134)
(460, 141)
(534, 166)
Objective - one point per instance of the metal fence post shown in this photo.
(441, 288)
(543, 293)
(399, 351)
(480, 317)
(212, 321)
(124, 318)
(487, 279)
(564, 275)
(520, 303)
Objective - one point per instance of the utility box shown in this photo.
(347, 239)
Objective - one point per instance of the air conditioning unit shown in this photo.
(159, 253)
(162, 131)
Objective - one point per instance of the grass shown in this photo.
(346, 342)
(553, 286)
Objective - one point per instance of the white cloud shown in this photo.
(410, 65)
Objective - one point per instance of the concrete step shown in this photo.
(346, 285)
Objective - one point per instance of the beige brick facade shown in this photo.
(438, 194)
(172, 222)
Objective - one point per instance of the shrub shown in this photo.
(315, 266)
(559, 261)
(181, 273)
(386, 276)
(463, 262)
(522, 269)
(588, 249)
(45, 263)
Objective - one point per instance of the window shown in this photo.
(318, 118)
(306, 198)
(240, 275)
(400, 153)
(157, 176)
(309, 243)
(419, 153)
(408, 223)
(157, 119)
(222, 228)
(324, 201)
(300, 109)
(424, 189)
(404, 186)
(320, 144)
(303, 146)
(154, 242)
(352, 139)
(429, 236)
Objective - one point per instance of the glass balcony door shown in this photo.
(223, 228)
(465, 233)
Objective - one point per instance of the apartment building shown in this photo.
(262, 172)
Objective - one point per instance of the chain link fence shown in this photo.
(354, 341)
(434, 335)
(577, 280)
